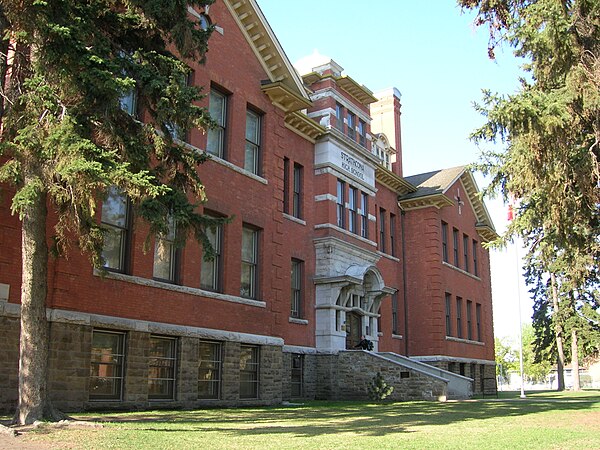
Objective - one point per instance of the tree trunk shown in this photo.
(560, 363)
(575, 361)
(33, 360)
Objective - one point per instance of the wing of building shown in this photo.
(330, 245)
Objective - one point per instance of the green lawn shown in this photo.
(545, 420)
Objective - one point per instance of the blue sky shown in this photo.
(434, 55)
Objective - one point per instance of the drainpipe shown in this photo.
(404, 291)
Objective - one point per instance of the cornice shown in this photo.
(284, 98)
(304, 126)
(359, 92)
(392, 181)
(265, 45)
(437, 200)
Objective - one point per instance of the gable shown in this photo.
(433, 189)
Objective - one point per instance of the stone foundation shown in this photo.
(342, 376)
(347, 376)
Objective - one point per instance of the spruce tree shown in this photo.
(550, 131)
(66, 139)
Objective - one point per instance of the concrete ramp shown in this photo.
(459, 387)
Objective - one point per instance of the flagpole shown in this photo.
(518, 268)
(520, 320)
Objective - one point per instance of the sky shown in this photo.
(434, 55)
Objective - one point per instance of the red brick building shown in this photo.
(329, 242)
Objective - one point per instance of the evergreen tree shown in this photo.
(378, 389)
(65, 140)
(551, 131)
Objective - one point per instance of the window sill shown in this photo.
(227, 164)
(346, 232)
(388, 256)
(294, 219)
(298, 321)
(464, 341)
(458, 269)
(181, 289)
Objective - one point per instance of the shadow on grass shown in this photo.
(320, 418)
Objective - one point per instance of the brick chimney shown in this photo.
(385, 114)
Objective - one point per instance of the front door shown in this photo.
(353, 329)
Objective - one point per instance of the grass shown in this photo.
(545, 420)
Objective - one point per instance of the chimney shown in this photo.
(385, 114)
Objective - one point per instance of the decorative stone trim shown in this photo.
(120, 323)
(346, 232)
(182, 289)
(225, 163)
(294, 219)
(237, 169)
(440, 358)
(330, 169)
(458, 269)
(397, 336)
(388, 256)
(325, 197)
(299, 349)
(298, 321)
(464, 341)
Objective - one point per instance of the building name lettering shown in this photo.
(353, 165)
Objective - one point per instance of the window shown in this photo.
(209, 370)
(351, 126)
(475, 266)
(339, 117)
(455, 241)
(341, 199)
(252, 155)
(165, 256)
(116, 222)
(161, 368)
(107, 362)
(448, 315)
(466, 251)
(297, 380)
(296, 285)
(478, 320)
(364, 215)
(286, 185)
(459, 317)
(249, 283)
(248, 371)
(128, 102)
(217, 108)
(352, 206)
(297, 197)
(362, 133)
(444, 241)
(394, 314)
(210, 271)
(382, 229)
(469, 319)
(393, 234)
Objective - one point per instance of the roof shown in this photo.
(432, 189)
(431, 183)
